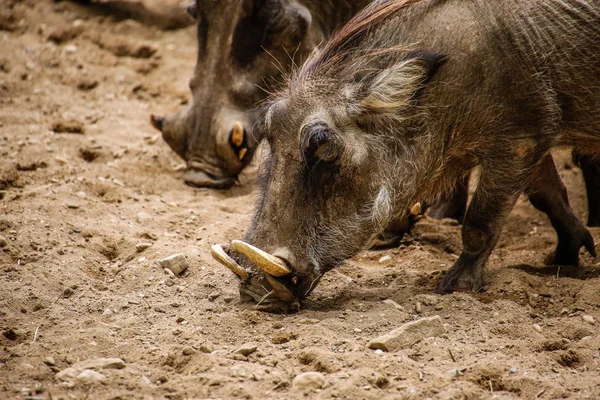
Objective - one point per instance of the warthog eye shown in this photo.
(319, 144)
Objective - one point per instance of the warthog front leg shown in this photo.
(549, 195)
(590, 166)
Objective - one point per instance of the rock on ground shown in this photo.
(309, 380)
(409, 334)
(176, 263)
(90, 376)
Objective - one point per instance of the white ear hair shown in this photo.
(393, 88)
(397, 86)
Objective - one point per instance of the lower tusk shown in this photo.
(237, 134)
(281, 291)
(219, 254)
(242, 153)
(263, 260)
(416, 210)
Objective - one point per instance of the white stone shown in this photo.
(409, 334)
(176, 263)
(589, 319)
(385, 259)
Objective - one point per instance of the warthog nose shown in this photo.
(157, 122)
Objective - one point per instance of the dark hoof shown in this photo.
(567, 251)
(460, 278)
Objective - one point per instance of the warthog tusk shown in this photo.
(263, 260)
(416, 210)
(219, 254)
(242, 153)
(237, 134)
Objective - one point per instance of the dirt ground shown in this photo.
(84, 181)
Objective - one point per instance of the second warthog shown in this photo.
(244, 48)
(405, 99)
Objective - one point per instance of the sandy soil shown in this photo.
(85, 179)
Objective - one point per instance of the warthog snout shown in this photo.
(157, 122)
(270, 286)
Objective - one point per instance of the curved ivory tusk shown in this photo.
(263, 260)
(219, 254)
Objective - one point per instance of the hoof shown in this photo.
(567, 251)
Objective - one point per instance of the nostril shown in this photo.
(157, 122)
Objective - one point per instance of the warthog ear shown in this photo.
(390, 90)
(288, 22)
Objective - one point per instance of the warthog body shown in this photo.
(403, 101)
(244, 47)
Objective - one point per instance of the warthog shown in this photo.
(403, 101)
(244, 47)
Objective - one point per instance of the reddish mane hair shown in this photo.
(357, 28)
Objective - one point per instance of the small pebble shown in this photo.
(392, 303)
(3, 242)
(142, 217)
(188, 351)
(537, 328)
(68, 292)
(70, 49)
(418, 307)
(108, 312)
(176, 263)
(246, 349)
(49, 361)
(385, 259)
(589, 319)
(205, 348)
(228, 299)
(90, 376)
(513, 370)
(597, 355)
(309, 380)
(142, 246)
(213, 296)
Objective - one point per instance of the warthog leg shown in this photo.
(549, 195)
(494, 198)
(590, 166)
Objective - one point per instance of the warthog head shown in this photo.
(241, 45)
(348, 147)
